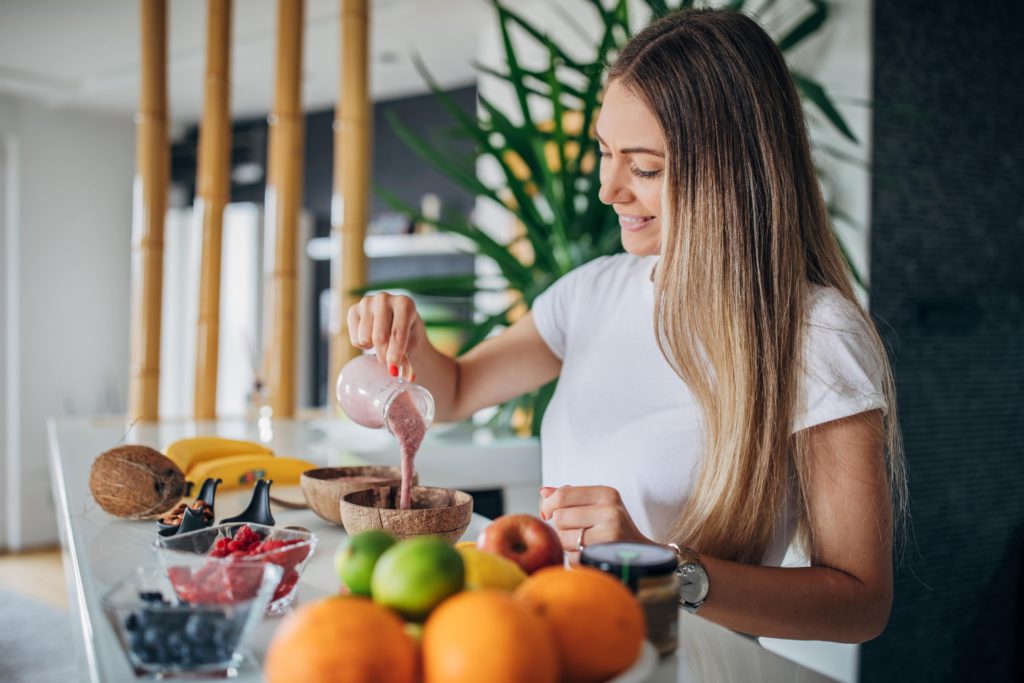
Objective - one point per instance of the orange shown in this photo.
(341, 640)
(597, 623)
(485, 635)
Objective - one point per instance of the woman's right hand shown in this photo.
(388, 324)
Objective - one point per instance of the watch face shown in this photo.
(693, 583)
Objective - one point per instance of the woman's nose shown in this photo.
(612, 190)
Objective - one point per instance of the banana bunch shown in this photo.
(237, 463)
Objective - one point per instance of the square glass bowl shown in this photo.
(203, 560)
(166, 636)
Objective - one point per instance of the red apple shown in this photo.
(524, 539)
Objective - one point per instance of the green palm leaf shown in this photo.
(814, 92)
(808, 26)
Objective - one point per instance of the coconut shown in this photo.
(135, 482)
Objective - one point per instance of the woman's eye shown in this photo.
(641, 173)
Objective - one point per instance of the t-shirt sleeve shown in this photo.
(842, 373)
(553, 310)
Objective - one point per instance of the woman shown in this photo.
(754, 410)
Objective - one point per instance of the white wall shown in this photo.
(72, 225)
(3, 329)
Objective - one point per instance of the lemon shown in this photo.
(489, 570)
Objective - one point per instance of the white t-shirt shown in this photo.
(621, 417)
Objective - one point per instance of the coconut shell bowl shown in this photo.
(434, 512)
(323, 488)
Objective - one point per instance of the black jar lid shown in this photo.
(630, 562)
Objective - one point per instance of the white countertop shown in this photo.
(100, 549)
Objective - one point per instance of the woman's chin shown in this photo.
(641, 244)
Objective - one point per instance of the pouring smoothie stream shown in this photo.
(373, 398)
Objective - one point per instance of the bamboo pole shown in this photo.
(149, 206)
(283, 202)
(350, 203)
(213, 189)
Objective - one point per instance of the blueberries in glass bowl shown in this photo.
(161, 633)
(185, 639)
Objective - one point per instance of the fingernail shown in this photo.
(543, 516)
(413, 377)
(393, 369)
(546, 491)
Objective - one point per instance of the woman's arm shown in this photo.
(846, 593)
(496, 370)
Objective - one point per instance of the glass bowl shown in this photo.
(165, 635)
(203, 559)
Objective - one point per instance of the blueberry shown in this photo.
(204, 654)
(199, 628)
(154, 654)
(135, 642)
(175, 621)
(178, 650)
(152, 597)
(131, 622)
(152, 636)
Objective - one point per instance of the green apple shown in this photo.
(356, 557)
(412, 577)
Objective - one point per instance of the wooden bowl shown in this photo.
(324, 488)
(435, 512)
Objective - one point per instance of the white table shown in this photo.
(100, 549)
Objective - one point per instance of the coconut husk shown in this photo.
(435, 512)
(323, 488)
(135, 482)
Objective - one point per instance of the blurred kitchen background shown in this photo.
(928, 190)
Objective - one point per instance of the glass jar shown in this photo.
(650, 572)
(366, 392)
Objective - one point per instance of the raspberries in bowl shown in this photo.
(202, 564)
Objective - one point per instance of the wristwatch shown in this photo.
(693, 579)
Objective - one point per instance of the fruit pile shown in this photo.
(164, 635)
(221, 582)
(237, 463)
(502, 610)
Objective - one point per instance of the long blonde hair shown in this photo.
(745, 229)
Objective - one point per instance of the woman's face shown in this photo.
(632, 168)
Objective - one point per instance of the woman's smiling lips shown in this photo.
(634, 223)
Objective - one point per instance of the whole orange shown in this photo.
(341, 640)
(485, 635)
(597, 623)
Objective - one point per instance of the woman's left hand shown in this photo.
(593, 514)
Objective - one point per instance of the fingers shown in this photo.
(573, 496)
(384, 323)
(592, 535)
(380, 328)
(405, 317)
(354, 320)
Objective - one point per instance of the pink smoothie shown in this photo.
(408, 426)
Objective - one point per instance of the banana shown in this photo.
(187, 453)
(242, 470)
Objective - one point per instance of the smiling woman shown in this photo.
(720, 390)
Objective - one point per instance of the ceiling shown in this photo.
(85, 54)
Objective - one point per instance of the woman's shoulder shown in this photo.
(829, 310)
